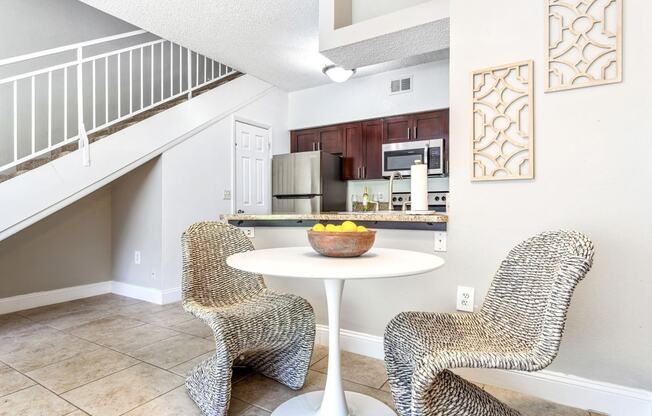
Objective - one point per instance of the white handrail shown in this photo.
(167, 74)
(73, 46)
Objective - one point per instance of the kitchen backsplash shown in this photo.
(380, 188)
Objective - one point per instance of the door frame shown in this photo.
(239, 119)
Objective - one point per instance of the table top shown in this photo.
(304, 262)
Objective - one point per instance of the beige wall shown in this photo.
(592, 174)
(69, 248)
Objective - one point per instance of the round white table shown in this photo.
(304, 263)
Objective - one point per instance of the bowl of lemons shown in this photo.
(344, 240)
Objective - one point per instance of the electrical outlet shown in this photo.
(136, 257)
(249, 231)
(227, 195)
(440, 240)
(465, 298)
(153, 275)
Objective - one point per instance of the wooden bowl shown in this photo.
(340, 244)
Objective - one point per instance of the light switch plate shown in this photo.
(249, 231)
(440, 240)
(465, 297)
(227, 195)
(136, 257)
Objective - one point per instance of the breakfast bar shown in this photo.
(380, 220)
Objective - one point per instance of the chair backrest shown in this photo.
(207, 279)
(531, 292)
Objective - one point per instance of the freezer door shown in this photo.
(305, 205)
(296, 174)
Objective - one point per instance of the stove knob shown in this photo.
(443, 198)
(436, 198)
(394, 199)
(400, 199)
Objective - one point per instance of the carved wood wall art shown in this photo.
(583, 43)
(503, 122)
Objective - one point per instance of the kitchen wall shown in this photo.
(69, 248)
(368, 97)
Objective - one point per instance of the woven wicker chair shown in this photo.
(519, 327)
(269, 332)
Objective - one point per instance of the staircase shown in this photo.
(46, 174)
(112, 91)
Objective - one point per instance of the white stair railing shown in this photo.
(151, 73)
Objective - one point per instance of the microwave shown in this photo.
(399, 157)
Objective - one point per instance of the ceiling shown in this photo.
(276, 41)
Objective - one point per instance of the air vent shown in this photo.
(398, 86)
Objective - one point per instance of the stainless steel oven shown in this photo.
(398, 157)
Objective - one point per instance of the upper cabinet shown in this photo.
(361, 143)
(420, 126)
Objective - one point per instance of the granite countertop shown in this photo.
(394, 216)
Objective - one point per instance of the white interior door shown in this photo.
(252, 169)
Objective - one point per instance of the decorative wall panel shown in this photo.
(503, 122)
(583, 43)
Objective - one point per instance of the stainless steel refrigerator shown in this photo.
(307, 182)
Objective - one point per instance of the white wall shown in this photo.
(368, 9)
(369, 97)
(196, 173)
(136, 214)
(69, 248)
(592, 157)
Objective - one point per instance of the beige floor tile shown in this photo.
(130, 340)
(14, 325)
(174, 403)
(358, 369)
(110, 302)
(184, 368)
(168, 317)
(269, 394)
(532, 406)
(51, 311)
(319, 352)
(77, 413)
(73, 319)
(11, 380)
(138, 309)
(386, 387)
(34, 401)
(174, 351)
(96, 329)
(123, 391)
(81, 369)
(194, 327)
(254, 411)
(236, 407)
(30, 352)
(383, 396)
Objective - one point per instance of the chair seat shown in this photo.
(413, 335)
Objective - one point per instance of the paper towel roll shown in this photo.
(419, 186)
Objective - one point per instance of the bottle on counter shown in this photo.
(365, 200)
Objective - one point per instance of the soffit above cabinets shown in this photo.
(420, 29)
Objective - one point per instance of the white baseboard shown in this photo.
(137, 292)
(556, 387)
(50, 297)
(34, 300)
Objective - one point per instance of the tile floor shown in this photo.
(110, 355)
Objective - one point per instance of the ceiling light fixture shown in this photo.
(338, 74)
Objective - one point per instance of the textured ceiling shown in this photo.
(276, 41)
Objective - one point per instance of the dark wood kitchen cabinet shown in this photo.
(329, 139)
(361, 143)
(420, 126)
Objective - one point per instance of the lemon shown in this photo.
(338, 228)
(318, 227)
(361, 229)
(330, 228)
(349, 227)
